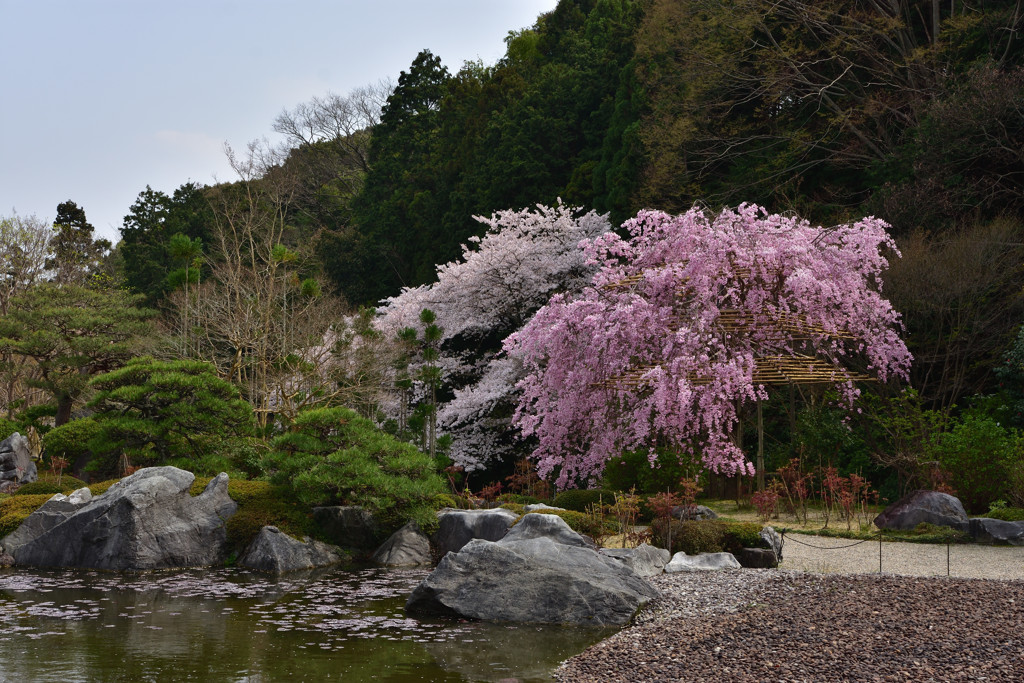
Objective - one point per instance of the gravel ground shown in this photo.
(844, 625)
(843, 556)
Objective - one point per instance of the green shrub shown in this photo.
(15, 509)
(333, 456)
(71, 440)
(48, 484)
(581, 499)
(977, 453)
(707, 536)
(520, 498)
(7, 428)
(633, 470)
(1007, 514)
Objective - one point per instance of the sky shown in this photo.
(100, 98)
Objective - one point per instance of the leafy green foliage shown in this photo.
(156, 411)
(707, 536)
(977, 452)
(333, 456)
(76, 255)
(153, 221)
(47, 483)
(633, 469)
(581, 499)
(72, 333)
(7, 428)
(71, 440)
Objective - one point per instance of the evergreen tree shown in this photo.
(72, 333)
(76, 254)
(155, 411)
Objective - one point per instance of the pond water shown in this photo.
(234, 625)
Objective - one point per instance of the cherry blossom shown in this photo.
(680, 327)
(502, 278)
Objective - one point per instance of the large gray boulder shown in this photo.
(645, 560)
(681, 562)
(456, 528)
(145, 521)
(987, 530)
(544, 525)
(693, 512)
(931, 507)
(531, 578)
(407, 547)
(51, 513)
(349, 526)
(276, 552)
(16, 466)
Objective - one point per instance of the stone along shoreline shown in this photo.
(770, 625)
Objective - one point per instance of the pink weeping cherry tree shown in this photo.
(689, 318)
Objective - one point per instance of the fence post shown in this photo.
(879, 552)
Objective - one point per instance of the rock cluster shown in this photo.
(539, 572)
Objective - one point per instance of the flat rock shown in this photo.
(407, 547)
(644, 560)
(456, 528)
(681, 562)
(987, 530)
(537, 507)
(529, 578)
(931, 507)
(276, 552)
(16, 460)
(145, 521)
(349, 526)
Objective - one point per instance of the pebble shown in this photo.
(780, 625)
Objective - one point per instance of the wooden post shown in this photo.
(760, 448)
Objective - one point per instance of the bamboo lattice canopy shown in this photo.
(771, 326)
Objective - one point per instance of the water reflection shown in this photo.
(235, 625)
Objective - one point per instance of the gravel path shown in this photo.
(780, 625)
(843, 556)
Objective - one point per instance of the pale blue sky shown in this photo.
(99, 98)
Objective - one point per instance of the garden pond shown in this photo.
(235, 625)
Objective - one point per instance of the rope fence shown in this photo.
(881, 539)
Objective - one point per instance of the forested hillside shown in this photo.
(908, 110)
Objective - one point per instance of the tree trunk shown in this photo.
(63, 416)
